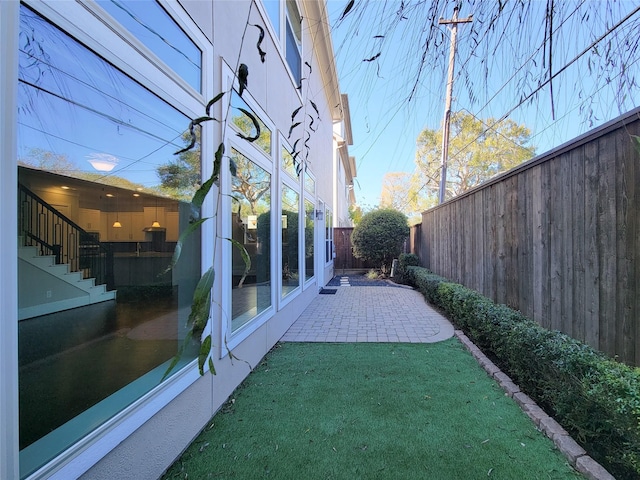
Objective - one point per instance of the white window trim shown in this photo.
(313, 198)
(281, 39)
(286, 179)
(9, 451)
(228, 338)
(85, 453)
(311, 281)
(327, 210)
(176, 13)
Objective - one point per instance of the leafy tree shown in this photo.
(49, 161)
(181, 177)
(250, 184)
(355, 213)
(379, 236)
(475, 153)
(402, 191)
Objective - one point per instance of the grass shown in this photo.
(370, 411)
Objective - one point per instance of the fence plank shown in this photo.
(624, 225)
(479, 236)
(555, 245)
(545, 224)
(566, 245)
(525, 245)
(491, 260)
(607, 242)
(537, 244)
(634, 241)
(591, 311)
(576, 224)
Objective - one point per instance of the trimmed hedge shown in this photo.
(406, 260)
(596, 399)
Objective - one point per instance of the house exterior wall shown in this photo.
(143, 440)
(344, 168)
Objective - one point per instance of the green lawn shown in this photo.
(371, 411)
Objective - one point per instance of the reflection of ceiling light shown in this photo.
(156, 223)
(64, 187)
(103, 162)
(117, 223)
(136, 194)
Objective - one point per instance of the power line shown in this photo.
(551, 77)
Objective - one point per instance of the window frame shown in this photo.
(309, 195)
(228, 337)
(9, 449)
(328, 235)
(86, 23)
(280, 38)
(296, 185)
(151, 54)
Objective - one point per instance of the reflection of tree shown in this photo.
(49, 161)
(181, 178)
(308, 237)
(250, 184)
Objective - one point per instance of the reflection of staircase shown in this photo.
(46, 287)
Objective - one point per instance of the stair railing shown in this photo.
(44, 227)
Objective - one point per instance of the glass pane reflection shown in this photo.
(91, 142)
(309, 232)
(290, 240)
(154, 27)
(251, 227)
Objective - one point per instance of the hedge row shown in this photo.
(596, 399)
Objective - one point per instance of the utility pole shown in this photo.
(447, 108)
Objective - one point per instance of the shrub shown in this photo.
(379, 236)
(595, 398)
(406, 260)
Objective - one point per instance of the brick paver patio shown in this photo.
(370, 314)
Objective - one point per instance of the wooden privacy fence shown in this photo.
(557, 238)
(345, 261)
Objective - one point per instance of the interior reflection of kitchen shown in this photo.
(138, 227)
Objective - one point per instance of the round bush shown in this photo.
(379, 237)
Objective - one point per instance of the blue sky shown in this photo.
(385, 124)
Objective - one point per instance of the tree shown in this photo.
(182, 177)
(355, 213)
(402, 191)
(379, 236)
(49, 161)
(475, 153)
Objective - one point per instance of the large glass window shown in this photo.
(328, 229)
(309, 183)
(153, 26)
(250, 227)
(290, 240)
(291, 38)
(100, 318)
(293, 41)
(244, 123)
(309, 236)
(288, 164)
(273, 10)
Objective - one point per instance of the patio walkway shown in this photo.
(381, 312)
